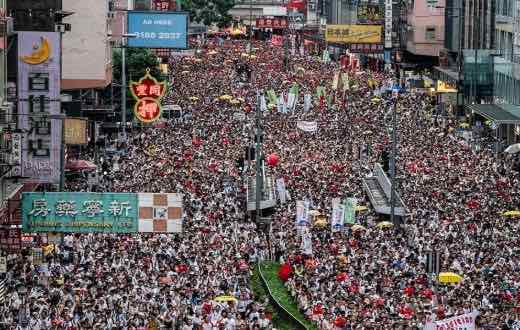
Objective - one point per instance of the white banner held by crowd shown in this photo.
(337, 217)
(307, 99)
(280, 188)
(307, 126)
(459, 322)
(307, 243)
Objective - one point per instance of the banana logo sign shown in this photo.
(40, 54)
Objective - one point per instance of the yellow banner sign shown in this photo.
(445, 87)
(75, 131)
(354, 34)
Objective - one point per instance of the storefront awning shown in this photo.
(499, 113)
(446, 74)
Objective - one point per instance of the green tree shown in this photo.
(137, 61)
(209, 12)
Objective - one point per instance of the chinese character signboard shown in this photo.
(101, 212)
(354, 34)
(158, 29)
(271, 23)
(38, 99)
(163, 5)
(371, 14)
(79, 212)
(366, 48)
(148, 93)
(76, 131)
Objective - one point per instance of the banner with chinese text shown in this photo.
(85, 212)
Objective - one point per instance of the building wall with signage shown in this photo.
(86, 50)
(39, 61)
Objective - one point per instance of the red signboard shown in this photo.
(298, 5)
(148, 93)
(163, 5)
(366, 48)
(272, 23)
(10, 239)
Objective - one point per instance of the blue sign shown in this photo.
(158, 29)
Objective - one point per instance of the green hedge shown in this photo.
(269, 272)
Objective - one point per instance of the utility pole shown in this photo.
(393, 161)
(258, 161)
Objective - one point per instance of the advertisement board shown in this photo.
(354, 34)
(79, 212)
(39, 99)
(388, 24)
(158, 29)
(76, 131)
(85, 212)
(370, 14)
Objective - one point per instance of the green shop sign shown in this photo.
(79, 212)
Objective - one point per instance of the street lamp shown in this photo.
(124, 38)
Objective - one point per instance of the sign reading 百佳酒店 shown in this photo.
(158, 29)
(39, 85)
(80, 212)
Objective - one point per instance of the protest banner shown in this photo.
(307, 126)
(350, 210)
(337, 216)
(459, 322)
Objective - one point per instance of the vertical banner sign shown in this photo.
(148, 93)
(388, 30)
(301, 214)
(337, 217)
(306, 246)
(350, 210)
(38, 98)
(16, 154)
(280, 187)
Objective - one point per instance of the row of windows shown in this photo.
(507, 88)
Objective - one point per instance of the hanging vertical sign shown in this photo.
(388, 23)
(148, 93)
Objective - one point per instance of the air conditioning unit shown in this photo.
(6, 111)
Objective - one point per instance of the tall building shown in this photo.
(87, 55)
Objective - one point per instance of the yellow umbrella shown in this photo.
(197, 60)
(384, 225)
(449, 277)
(358, 227)
(234, 102)
(464, 125)
(225, 298)
(376, 100)
(361, 208)
(241, 99)
(320, 223)
(185, 72)
(314, 212)
(253, 56)
(512, 214)
(225, 97)
(194, 98)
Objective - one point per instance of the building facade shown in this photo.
(425, 35)
(87, 54)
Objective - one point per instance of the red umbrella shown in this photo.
(272, 160)
(80, 165)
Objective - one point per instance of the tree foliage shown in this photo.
(137, 61)
(209, 12)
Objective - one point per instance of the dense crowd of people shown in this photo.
(369, 278)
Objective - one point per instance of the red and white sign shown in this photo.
(464, 321)
(299, 5)
(148, 93)
(271, 23)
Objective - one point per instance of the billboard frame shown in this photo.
(155, 12)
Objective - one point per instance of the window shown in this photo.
(430, 33)
(40, 125)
